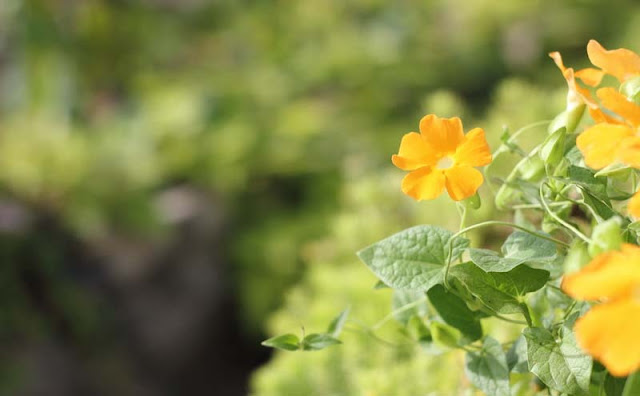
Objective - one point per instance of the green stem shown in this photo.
(462, 211)
(526, 313)
(505, 148)
(557, 218)
(536, 206)
(393, 313)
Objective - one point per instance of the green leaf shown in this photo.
(336, 325)
(411, 299)
(414, 258)
(315, 342)
(454, 311)
(601, 206)
(560, 364)
(520, 247)
(632, 387)
(380, 285)
(586, 178)
(487, 369)
(418, 330)
(287, 342)
(445, 335)
(499, 291)
(614, 386)
(517, 356)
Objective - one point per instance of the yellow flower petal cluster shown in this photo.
(615, 138)
(442, 156)
(609, 331)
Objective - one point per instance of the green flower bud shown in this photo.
(606, 236)
(505, 196)
(568, 119)
(532, 169)
(577, 257)
(473, 202)
(552, 149)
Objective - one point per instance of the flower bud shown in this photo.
(606, 236)
(568, 119)
(532, 169)
(552, 149)
(577, 257)
(473, 202)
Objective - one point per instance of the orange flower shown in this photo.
(621, 63)
(609, 331)
(615, 140)
(440, 156)
(578, 95)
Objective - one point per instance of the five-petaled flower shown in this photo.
(609, 331)
(440, 156)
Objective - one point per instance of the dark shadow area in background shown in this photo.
(170, 328)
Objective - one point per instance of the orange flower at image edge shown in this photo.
(442, 156)
(609, 331)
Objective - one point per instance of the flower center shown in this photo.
(445, 162)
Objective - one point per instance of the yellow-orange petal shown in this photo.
(442, 134)
(413, 153)
(473, 150)
(590, 76)
(462, 181)
(557, 58)
(620, 63)
(629, 152)
(601, 117)
(609, 332)
(618, 103)
(577, 94)
(611, 275)
(424, 183)
(600, 144)
(634, 205)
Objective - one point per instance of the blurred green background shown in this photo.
(180, 179)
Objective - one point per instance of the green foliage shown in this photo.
(453, 310)
(287, 342)
(487, 369)
(559, 363)
(413, 259)
(519, 248)
(499, 291)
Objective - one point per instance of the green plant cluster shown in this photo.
(105, 105)
(372, 207)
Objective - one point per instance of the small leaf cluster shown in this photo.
(310, 342)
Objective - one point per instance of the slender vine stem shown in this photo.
(462, 211)
(511, 139)
(557, 218)
(393, 313)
